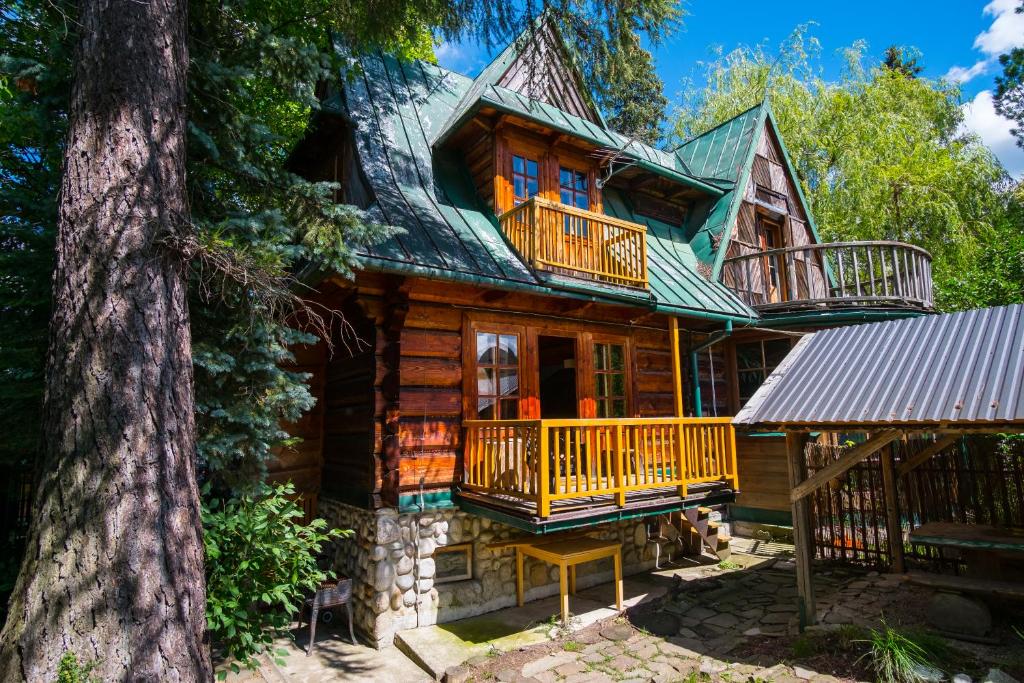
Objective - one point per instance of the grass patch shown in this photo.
(897, 656)
(572, 646)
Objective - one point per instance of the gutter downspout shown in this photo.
(693, 364)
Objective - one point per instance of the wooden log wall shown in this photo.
(406, 389)
(764, 480)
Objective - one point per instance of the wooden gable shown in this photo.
(542, 69)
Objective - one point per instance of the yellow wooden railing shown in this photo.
(560, 238)
(542, 461)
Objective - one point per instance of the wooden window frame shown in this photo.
(527, 158)
(763, 227)
(529, 362)
(627, 387)
(471, 393)
(733, 374)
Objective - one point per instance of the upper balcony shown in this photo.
(568, 241)
(882, 275)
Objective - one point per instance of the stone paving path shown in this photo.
(715, 625)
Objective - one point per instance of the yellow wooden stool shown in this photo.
(567, 554)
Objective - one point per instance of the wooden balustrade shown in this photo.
(838, 274)
(552, 460)
(564, 239)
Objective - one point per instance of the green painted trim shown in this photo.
(760, 516)
(435, 500)
(737, 198)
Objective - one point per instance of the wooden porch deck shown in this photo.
(576, 511)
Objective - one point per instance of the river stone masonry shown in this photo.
(390, 558)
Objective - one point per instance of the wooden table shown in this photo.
(567, 554)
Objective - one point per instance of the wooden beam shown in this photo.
(893, 528)
(802, 537)
(677, 374)
(920, 458)
(848, 460)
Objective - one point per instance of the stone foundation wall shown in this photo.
(391, 559)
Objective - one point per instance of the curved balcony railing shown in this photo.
(836, 275)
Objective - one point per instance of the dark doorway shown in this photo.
(557, 358)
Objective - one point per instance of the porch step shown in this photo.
(706, 531)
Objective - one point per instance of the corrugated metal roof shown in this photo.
(957, 368)
(398, 108)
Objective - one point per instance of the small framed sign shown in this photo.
(453, 562)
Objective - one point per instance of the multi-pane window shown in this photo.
(755, 361)
(610, 380)
(572, 187)
(497, 376)
(524, 178)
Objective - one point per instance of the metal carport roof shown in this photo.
(944, 371)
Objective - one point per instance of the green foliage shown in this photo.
(879, 155)
(634, 99)
(898, 656)
(1009, 96)
(261, 565)
(70, 670)
(902, 59)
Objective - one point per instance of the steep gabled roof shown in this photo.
(725, 155)
(397, 108)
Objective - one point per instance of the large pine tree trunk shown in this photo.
(114, 568)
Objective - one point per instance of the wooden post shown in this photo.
(543, 474)
(677, 374)
(802, 536)
(893, 528)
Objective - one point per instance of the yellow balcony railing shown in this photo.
(571, 241)
(542, 461)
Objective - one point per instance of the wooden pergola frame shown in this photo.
(801, 486)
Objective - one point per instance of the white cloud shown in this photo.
(959, 74)
(980, 117)
(1005, 32)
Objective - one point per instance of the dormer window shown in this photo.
(525, 178)
(573, 188)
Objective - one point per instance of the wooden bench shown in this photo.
(983, 547)
(566, 554)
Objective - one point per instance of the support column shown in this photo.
(893, 528)
(677, 373)
(802, 536)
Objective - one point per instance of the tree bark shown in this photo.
(114, 566)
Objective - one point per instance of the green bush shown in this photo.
(260, 566)
(70, 670)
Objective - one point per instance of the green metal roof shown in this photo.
(397, 108)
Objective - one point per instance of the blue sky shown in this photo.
(958, 39)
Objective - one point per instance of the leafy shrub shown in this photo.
(900, 657)
(260, 566)
(70, 670)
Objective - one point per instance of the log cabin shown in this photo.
(556, 338)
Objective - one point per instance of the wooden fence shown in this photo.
(977, 480)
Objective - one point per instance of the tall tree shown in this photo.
(903, 60)
(114, 569)
(241, 219)
(1009, 97)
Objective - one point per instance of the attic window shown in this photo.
(525, 182)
